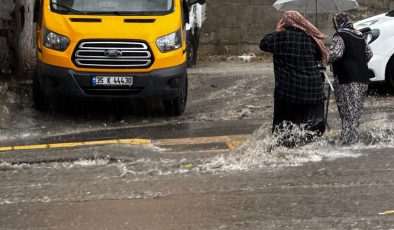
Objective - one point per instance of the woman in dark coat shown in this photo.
(298, 49)
(349, 55)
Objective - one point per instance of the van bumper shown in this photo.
(165, 83)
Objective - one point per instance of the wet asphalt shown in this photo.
(212, 168)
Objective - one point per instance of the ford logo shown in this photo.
(113, 53)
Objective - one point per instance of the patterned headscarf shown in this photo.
(341, 21)
(295, 19)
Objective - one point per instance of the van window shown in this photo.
(140, 7)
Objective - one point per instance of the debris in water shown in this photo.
(216, 166)
(188, 166)
(247, 57)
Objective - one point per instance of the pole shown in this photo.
(330, 88)
(316, 13)
(327, 106)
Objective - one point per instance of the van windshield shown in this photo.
(123, 7)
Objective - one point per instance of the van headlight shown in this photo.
(170, 42)
(55, 41)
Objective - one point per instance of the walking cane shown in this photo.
(330, 88)
(327, 105)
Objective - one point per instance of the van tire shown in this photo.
(390, 74)
(177, 106)
(40, 99)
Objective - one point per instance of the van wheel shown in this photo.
(177, 106)
(390, 74)
(41, 101)
(191, 51)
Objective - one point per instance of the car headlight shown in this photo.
(55, 41)
(170, 42)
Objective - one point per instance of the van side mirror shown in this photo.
(192, 2)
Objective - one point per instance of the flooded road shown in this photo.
(215, 167)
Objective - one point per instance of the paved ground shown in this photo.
(105, 166)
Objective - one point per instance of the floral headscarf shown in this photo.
(295, 19)
(341, 21)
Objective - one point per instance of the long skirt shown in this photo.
(350, 101)
(287, 115)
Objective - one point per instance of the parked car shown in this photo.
(380, 34)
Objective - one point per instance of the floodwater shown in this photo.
(230, 92)
(150, 175)
(260, 152)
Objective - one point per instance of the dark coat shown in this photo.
(353, 65)
(296, 58)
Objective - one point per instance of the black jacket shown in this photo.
(296, 58)
(353, 65)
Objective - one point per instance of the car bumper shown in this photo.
(377, 66)
(165, 83)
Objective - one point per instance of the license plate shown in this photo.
(112, 81)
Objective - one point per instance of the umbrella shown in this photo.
(316, 6)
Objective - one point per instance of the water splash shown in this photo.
(262, 150)
(5, 166)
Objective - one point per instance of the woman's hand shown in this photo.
(280, 26)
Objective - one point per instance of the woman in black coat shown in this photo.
(298, 49)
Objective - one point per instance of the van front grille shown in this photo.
(113, 55)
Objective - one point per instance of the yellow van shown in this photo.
(111, 49)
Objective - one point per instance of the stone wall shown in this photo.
(25, 37)
(16, 37)
(7, 25)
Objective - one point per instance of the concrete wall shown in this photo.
(376, 3)
(233, 25)
(237, 26)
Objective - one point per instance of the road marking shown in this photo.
(2, 149)
(209, 152)
(199, 144)
(176, 145)
(77, 144)
(200, 140)
(194, 147)
(28, 147)
(233, 144)
(387, 212)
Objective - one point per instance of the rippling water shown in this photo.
(151, 177)
(262, 150)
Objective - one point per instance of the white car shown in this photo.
(380, 35)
